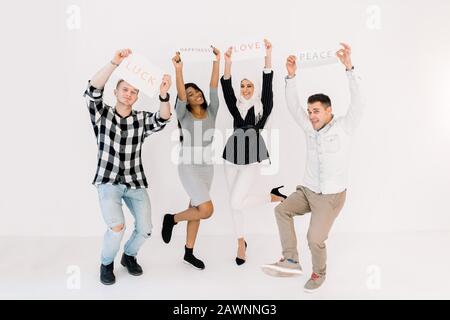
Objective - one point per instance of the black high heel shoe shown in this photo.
(240, 261)
(276, 192)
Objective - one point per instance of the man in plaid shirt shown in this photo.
(120, 132)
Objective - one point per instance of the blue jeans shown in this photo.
(138, 202)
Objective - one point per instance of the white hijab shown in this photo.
(255, 101)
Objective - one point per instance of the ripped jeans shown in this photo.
(138, 202)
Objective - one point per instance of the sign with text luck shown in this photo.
(140, 73)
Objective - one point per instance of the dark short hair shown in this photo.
(322, 98)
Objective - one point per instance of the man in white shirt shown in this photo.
(324, 186)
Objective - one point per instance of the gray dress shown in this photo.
(196, 170)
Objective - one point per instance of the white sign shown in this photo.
(197, 53)
(140, 73)
(310, 59)
(246, 50)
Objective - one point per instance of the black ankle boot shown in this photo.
(107, 275)
(240, 261)
(131, 264)
(276, 192)
(167, 228)
(189, 258)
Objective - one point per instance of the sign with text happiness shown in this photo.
(197, 53)
(140, 73)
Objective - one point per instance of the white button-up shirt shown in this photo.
(328, 149)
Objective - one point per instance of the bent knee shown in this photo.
(280, 210)
(144, 228)
(145, 233)
(207, 215)
(118, 228)
(206, 210)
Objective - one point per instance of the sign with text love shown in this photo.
(246, 50)
(197, 53)
(140, 73)
(317, 58)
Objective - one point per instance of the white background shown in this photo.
(399, 176)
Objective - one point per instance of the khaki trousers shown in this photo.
(324, 209)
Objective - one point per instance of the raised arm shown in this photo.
(215, 69)
(292, 99)
(214, 85)
(101, 77)
(155, 122)
(178, 64)
(228, 62)
(355, 110)
(267, 90)
(94, 91)
(164, 109)
(268, 59)
(181, 101)
(227, 87)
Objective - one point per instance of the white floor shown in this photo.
(361, 266)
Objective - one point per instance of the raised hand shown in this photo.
(165, 85)
(344, 55)
(228, 54)
(268, 46)
(176, 60)
(291, 65)
(120, 55)
(227, 71)
(215, 69)
(216, 52)
(102, 76)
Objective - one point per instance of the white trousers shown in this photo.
(240, 180)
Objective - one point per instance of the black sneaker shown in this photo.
(107, 275)
(131, 264)
(190, 259)
(167, 228)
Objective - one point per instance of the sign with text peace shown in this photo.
(316, 58)
(248, 49)
(197, 53)
(140, 73)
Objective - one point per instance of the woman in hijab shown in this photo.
(246, 151)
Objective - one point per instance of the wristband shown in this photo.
(166, 99)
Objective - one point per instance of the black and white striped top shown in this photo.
(120, 141)
(246, 146)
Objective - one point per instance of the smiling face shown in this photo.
(319, 111)
(247, 89)
(319, 115)
(126, 94)
(194, 97)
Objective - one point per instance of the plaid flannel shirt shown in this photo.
(120, 141)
